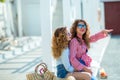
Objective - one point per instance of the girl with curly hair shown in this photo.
(80, 43)
(60, 49)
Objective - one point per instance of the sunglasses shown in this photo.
(81, 26)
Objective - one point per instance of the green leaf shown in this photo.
(2, 1)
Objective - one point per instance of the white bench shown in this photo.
(97, 51)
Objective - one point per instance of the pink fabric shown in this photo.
(97, 36)
(78, 51)
(87, 59)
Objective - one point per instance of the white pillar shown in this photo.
(19, 12)
(66, 13)
(9, 19)
(102, 21)
(46, 31)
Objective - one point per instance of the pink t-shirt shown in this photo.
(78, 51)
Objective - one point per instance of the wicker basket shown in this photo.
(43, 74)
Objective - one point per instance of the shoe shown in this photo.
(103, 74)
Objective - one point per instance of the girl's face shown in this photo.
(68, 34)
(81, 28)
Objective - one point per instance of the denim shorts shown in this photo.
(82, 62)
(61, 71)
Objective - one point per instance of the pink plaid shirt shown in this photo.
(78, 51)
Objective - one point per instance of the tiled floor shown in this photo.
(111, 59)
(20, 65)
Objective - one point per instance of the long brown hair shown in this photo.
(59, 41)
(85, 35)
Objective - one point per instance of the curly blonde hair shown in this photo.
(59, 41)
(85, 36)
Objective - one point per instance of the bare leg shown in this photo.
(71, 78)
(80, 75)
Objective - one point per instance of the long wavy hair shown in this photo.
(59, 41)
(85, 36)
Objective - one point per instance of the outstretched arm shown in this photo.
(107, 31)
(100, 35)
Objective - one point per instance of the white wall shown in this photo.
(90, 14)
(73, 10)
(110, 0)
(66, 12)
(76, 9)
(31, 17)
(102, 21)
(57, 15)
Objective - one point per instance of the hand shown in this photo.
(106, 31)
(75, 70)
(86, 69)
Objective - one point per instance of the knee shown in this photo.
(88, 76)
(71, 78)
